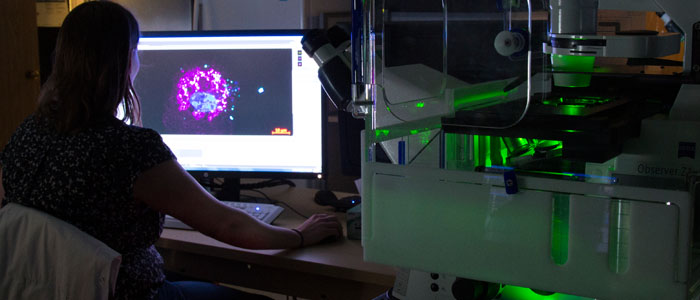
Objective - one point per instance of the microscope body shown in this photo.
(535, 146)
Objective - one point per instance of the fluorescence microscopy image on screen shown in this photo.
(217, 92)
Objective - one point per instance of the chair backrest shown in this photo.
(43, 257)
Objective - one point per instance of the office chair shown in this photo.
(43, 257)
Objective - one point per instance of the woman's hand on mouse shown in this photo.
(319, 227)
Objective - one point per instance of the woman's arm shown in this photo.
(168, 188)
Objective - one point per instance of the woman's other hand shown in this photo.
(319, 227)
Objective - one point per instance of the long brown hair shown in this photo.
(91, 70)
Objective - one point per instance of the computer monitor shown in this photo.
(234, 104)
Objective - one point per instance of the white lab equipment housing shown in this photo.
(582, 220)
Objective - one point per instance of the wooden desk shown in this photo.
(328, 271)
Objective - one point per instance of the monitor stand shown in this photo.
(230, 190)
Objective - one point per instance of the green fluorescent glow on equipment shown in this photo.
(504, 152)
(521, 293)
(574, 106)
(477, 151)
(573, 110)
(572, 63)
(516, 292)
(575, 62)
(487, 160)
(479, 97)
(425, 138)
(554, 173)
(380, 132)
(584, 100)
(571, 131)
(420, 104)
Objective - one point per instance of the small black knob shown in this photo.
(434, 287)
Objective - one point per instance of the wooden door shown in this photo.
(19, 64)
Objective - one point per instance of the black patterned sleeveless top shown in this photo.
(87, 179)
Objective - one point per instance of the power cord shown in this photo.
(267, 183)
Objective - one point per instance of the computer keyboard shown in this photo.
(261, 211)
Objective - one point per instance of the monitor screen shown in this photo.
(246, 102)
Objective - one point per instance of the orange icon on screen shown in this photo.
(281, 131)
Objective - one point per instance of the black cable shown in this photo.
(209, 182)
(267, 183)
(271, 201)
(248, 186)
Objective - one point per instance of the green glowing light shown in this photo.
(521, 293)
(420, 104)
(477, 151)
(487, 159)
(425, 137)
(571, 130)
(504, 152)
(553, 173)
(380, 132)
(572, 63)
(573, 110)
(469, 98)
(575, 106)
(414, 131)
(584, 100)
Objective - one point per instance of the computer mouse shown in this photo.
(323, 197)
(328, 198)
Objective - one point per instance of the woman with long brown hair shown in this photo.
(75, 160)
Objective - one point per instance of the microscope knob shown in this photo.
(508, 43)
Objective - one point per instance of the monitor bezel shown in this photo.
(204, 174)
